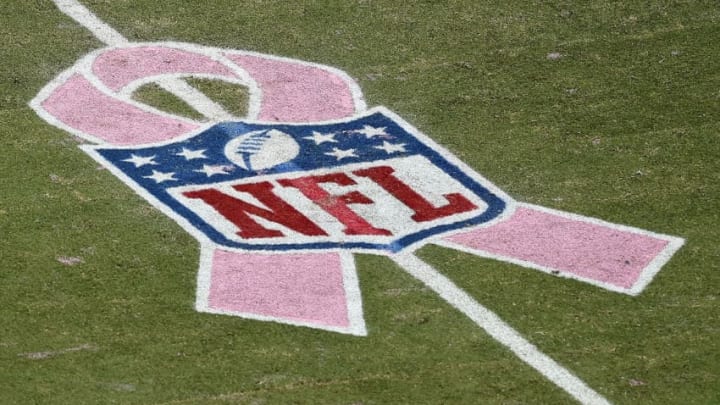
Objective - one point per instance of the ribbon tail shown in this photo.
(611, 256)
(317, 290)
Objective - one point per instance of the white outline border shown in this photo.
(92, 150)
(484, 318)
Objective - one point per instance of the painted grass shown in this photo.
(608, 109)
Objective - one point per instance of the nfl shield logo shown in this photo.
(370, 183)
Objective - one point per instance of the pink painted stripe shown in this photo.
(118, 67)
(295, 92)
(585, 249)
(301, 287)
(80, 105)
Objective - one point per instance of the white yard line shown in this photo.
(498, 329)
(195, 99)
(176, 86)
(84, 17)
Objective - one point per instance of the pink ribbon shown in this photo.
(92, 100)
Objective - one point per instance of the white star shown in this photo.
(391, 148)
(319, 138)
(212, 170)
(370, 132)
(342, 154)
(192, 154)
(159, 177)
(139, 161)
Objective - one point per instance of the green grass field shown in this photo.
(606, 109)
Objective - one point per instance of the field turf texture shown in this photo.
(606, 109)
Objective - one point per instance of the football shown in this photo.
(260, 150)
